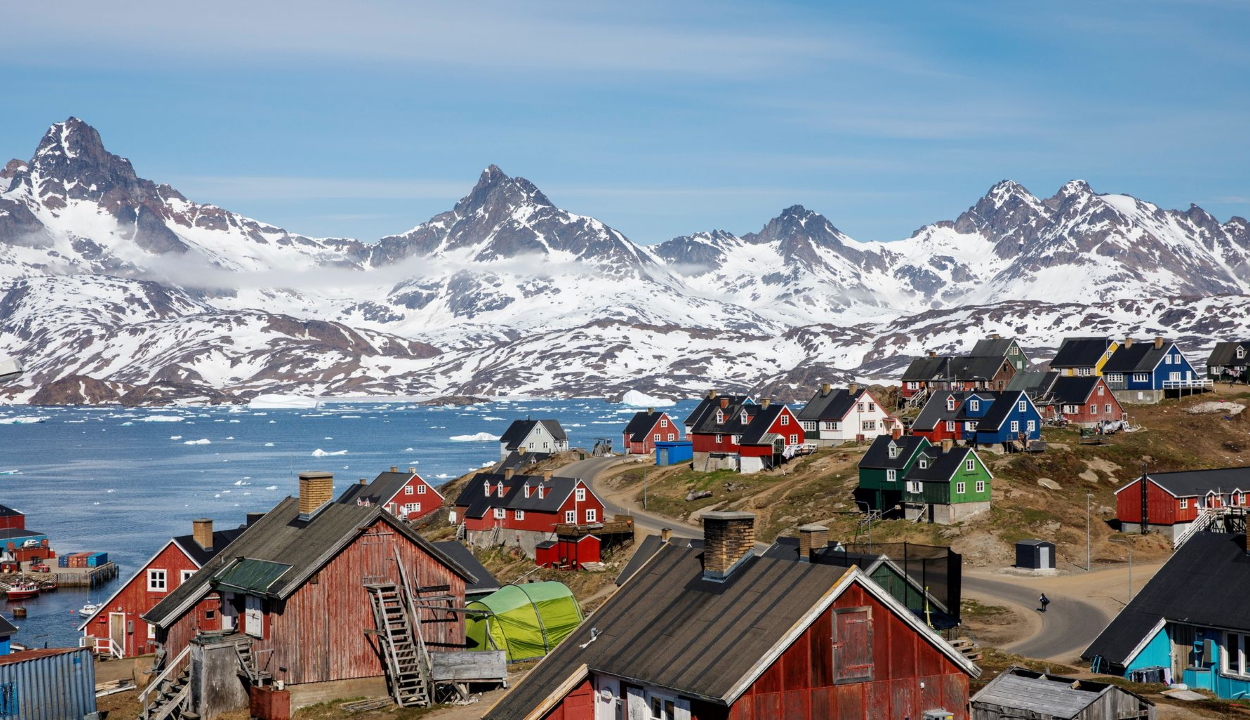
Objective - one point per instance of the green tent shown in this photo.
(526, 620)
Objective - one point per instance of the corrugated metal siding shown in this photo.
(53, 687)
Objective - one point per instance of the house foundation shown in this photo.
(944, 514)
(524, 540)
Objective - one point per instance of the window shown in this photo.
(151, 634)
(809, 426)
(1031, 425)
(662, 709)
(970, 426)
(922, 463)
(592, 515)
(980, 486)
(182, 576)
(1015, 426)
(960, 488)
(500, 513)
(860, 407)
(913, 486)
(656, 437)
(1093, 409)
(733, 439)
(720, 418)
(500, 488)
(852, 645)
(785, 419)
(974, 404)
(1241, 352)
(518, 514)
(794, 439)
(950, 404)
(743, 417)
(408, 490)
(541, 491)
(1024, 406)
(913, 386)
(1234, 660)
(411, 508)
(421, 489)
(157, 581)
(893, 451)
(719, 438)
(254, 617)
(1184, 503)
(1107, 408)
(663, 422)
(671, 437)
(1115, 378)
(1084, 372)
(570, 517)
(1100, 389)
(950, 426)
(970, 465)
(525, 489)
(869, 425)
(872, 407)
(580, 494)
(1141, 377)
(891, 475)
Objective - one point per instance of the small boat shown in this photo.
(89, 609)
(22, 591)
(47, 586)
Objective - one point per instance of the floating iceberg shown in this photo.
(476, 437)
(24, 420)
(633, 398)
(278, 401)
(162, 418)
(201, 441)
(322, 453)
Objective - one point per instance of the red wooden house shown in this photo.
(646, 429)
(1083, 400)
(1168, 503)
(716, 633)
(568, 552)
(11, 519)
(523, 510)
(732, 432)
(406, 495)
(117, 628)
(293, 584)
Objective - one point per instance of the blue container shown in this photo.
(49, 687)
(62, 561)
(97, 559)
(673, 452)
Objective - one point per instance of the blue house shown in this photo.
(1190, 624)
(1146, 372)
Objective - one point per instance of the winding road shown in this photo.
(1064, 630)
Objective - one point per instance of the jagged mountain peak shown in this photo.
(496, 191)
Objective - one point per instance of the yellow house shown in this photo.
(1083, 356)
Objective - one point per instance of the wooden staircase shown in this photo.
(967, 647)
(399, 635)
(168, 696)
(248, 666)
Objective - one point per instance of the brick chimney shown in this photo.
(711, 394)
(1158, 342)
(765, 403)
(896, 433)
(996, 336)
(252, 517)
(507, 473)
(202, 531)
(364, 481)
(853, 388)
(1128, 342)
(826, 388)
(728, 540)
(316, 490)
(394, 468)
(947, 444)
(666, 534)
(724, 403)
(933, 353)
(547, 474)
(812, 537)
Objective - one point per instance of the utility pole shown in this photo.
(1087, 554)
(645, 474)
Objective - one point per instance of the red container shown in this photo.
(269, 704)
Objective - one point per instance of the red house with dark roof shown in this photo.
(1171, 502)
(117, 628)
(523, 510)
(646, 429)
(406, 495)
(732, 432)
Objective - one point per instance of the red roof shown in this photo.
(34, 654)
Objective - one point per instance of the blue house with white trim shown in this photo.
(1145, 372)
(1191, 622)
(1010, 416)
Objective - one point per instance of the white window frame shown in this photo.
(970, 465)
(794, 439)
(1015, 426)
(872, 407)
(656, 437)
(671, 437)
(1030, 426)
(1234, 667)
(923, 463)
(950, 426)
(733, 439)
(592, 515)
(158, 580)
(1115, 377)
(1107, 408)
(1100, 389)
(570, 517)
(785, 419)
(1141, 377)
(950, 404)
(408, 490)
(1024, 405)
(421, 489)
(500, 513)
(891, 475)
(663, 422)
(893, 451)
(719, 438)
(580, 494)
(859, 407)
(960, 488)
(974, 405)
(980, 486)
(915, 486)
(1184, 503)
(184, 575)
(720, 417)
(518, 514)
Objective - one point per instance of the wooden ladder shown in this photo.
(168, 696)
(399, 633)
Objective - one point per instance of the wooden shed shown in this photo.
(1022, 694)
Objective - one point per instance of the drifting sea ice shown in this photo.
(323, 453)
(201, 441)
(476, 437)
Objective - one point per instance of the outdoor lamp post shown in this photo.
(1128, 545)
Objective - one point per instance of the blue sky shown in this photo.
(661, 119)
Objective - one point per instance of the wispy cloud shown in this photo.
(224, 188)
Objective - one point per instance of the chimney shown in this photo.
(933, 353)
(996, 336)
(826, 388)
(547, 474)
(1128, 342)
(394, 468)
(1158, 342)
(666, 534)
(507, 473)
(412, 471)
(728, 540)
(316, 490)
(896, 433)
(853, 388)
(520, 451)
(947, 444)
(252, 517)
(202, 531)
(765, 403)
(364, 481)
(711, 394)
(812, 537)
(724, 403)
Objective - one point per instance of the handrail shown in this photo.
(1200, 523)
(156, 682)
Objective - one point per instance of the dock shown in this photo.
(82, 577)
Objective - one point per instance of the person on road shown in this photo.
(1044, 601)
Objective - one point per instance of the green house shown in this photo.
(946, 484)
(883, 468)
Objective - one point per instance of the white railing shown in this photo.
(1200, 523)
(1195, 383)
(102, 645)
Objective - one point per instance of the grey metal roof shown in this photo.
(477, 503)
(647, 549)
(925, 368)
(878, 455)
(832, 405)
(1203, 583)
(485, 582)
(1035, 383)
(306, 545)
(1049, 696)
(1140, 357)
(1073, 390)
(1080, 352)
(221, 538)
(517, 460)
(6, 628)
(521, 429)
(1224, 354)
(991, 347)
(1191, 483)
(641, 423)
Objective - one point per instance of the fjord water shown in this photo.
(123, 481)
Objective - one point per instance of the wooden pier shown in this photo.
(81, 577)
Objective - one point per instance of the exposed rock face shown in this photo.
(76, 390)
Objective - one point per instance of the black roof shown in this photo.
(715, 633)
(10, 533)
(517, 460)
(281, 537)
(1080, 352)
(485, 582)
(477, 503)
(734, 405)
(1189, 483)
(1034, 383)
(934, 410)
(1073, 390)
(971, 368)
(6, 628)
(1001, 409)
(991, 347)
(925, 368)
(708, 404)
(942, 465)
(641, 423)
(221, 538)
(1224, 354)
(760, 423)
(6, 511)
(1204, 583)
(878, 455)
(521, 429)
(384, 487)
(1140, 357)
(647, 549)
(832, 405)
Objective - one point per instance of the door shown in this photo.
(1044, 557)
(663, 458)
(117, 630)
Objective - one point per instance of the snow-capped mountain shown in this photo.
(113, 285)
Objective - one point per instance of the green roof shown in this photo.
(250, 576)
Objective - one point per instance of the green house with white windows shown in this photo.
(883, 468)
(946, 485)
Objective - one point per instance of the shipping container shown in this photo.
(97, 559)
(57, 684)
(63, 561)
